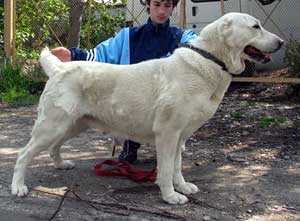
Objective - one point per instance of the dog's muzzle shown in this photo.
(260, 56)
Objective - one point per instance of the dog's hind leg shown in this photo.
(178, 179)
(59, 163)
(47, 133)
(166, 145)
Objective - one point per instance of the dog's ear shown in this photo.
(225, 28)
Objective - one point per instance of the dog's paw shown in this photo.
(65, 165)
(176, 198)
(19, 190)
(187, 188)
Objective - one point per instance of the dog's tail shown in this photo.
(49, 62)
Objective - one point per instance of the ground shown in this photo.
(245, 161)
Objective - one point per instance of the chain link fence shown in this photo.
(278, 16)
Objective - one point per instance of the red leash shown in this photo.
(124, 169)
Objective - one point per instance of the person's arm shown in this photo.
(72, 54)
(114, 50)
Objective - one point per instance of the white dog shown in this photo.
(161, 101)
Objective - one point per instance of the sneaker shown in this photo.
(129, 152)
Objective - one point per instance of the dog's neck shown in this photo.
(220, 51)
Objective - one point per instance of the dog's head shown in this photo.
(236, 37)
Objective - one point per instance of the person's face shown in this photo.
(160, 10)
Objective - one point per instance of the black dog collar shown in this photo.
(206, 55)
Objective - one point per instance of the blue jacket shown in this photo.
(134, 44)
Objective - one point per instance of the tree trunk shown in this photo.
(76, 10)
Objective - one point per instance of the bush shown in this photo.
(99, 23)
(292, 57)
(33, 21)
(292, 60)
(10, 77)
(14, 86)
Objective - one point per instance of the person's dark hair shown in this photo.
(175, 2)
(147, 2)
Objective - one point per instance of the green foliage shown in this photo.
(268, 121)
(33, 21)
(292, 56)
(14, 86)
(11, 78)
(99, 23)
(42, 22)
(292, 60)
(27, 53)
(13, 95)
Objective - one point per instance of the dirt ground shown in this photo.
(245, 161)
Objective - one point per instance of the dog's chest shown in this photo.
(200, 110)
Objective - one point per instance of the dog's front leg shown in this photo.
(25, 156)
(180, 184)
(166, 145)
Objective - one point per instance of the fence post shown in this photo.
(10, 30)
(182, 15)
(222, 7)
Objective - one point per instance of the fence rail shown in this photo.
(268, 80)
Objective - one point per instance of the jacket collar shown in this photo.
(157, 27)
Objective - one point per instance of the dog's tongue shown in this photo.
(253, 52)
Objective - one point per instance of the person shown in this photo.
(154, 39)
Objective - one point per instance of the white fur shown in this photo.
(161, 101)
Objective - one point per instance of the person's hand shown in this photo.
(62, 53)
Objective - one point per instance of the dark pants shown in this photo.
(131, 144)
(129, 152)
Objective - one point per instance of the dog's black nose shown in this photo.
(280, 43)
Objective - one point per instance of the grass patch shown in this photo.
(236, 115)
(266, 122)
(16, 98)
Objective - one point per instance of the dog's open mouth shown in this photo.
(257, 55)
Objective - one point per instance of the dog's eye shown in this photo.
(256, 26)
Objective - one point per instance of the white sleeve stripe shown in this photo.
(94, 52)
(91, 55)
